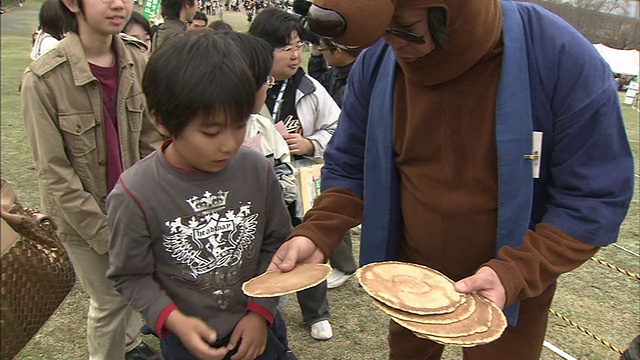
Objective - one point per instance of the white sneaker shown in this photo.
(321, 330)
(337, 278)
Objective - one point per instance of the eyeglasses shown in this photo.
(110, 1)
(290, 48)
(406, 36)
(270, 81)
(323, 49)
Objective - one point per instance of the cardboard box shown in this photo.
(308, 187)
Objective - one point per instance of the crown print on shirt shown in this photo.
(214, 236)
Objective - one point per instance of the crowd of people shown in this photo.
(168, 156)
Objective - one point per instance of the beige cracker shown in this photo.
(278, 283)
(478, 322)
(463, 311)
(498, 324)
(409, 287)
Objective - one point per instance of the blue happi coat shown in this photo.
(552, 81)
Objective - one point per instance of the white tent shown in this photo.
(625, 62)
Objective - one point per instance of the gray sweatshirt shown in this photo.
(190, 239)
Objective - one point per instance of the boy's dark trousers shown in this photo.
(277, 345)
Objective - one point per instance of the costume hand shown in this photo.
(195, 336)
(252, 329)
(487, 283)
(298, 145)
(298, 249)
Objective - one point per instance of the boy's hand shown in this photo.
(487, 283)
(252, 329)
(195, 336)
(298, 249)
(298, 145)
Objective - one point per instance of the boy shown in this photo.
(330, 65)
(298, 96)
(176, 15)
(199, 21)
(181, 249)
(86, 122)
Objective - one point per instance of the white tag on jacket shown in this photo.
(536, 151)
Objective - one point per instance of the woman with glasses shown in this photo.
(261, 134)
(310, 116)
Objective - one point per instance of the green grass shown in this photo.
(598, 298)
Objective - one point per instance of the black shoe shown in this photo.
(142, 352)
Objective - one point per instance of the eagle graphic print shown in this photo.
(212, 242)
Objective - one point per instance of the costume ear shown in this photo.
(356, 23)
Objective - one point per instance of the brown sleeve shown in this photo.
(334, 212)
(545, 254)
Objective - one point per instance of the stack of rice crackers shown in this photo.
(424, 301)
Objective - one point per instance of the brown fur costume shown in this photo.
(444, 140)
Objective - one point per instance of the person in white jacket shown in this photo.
(310, 115)
(51, 29)
(261, 134)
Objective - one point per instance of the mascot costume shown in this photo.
(503, 148)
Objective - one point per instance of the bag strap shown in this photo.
(8, 235)
(7, 195)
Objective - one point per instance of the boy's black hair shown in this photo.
(257, 52)
(220, 25)
(51, 19)
(137, 18)
(275, 26)
(200, 74)
(70, 20)
(171, 8)
(331, 46)
(199, 15)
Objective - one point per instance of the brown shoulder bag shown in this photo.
(37, 274)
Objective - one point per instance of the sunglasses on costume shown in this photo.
(406, 35)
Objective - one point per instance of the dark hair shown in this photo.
(257, 52)
(152, 30)
(200, 74)
(199, 15)
(275, 26)
(137, 18)
(171, 8)
(331, 46)
(70, 20)
(438, 26)
(220, 25)
(51, 19)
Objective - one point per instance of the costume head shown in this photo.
(473, 29)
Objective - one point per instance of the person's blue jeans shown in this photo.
(277, 345)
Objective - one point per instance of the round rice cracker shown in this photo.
(409, 287)
(497, 327)
(278, 283)
(478, 322)
(463, 311)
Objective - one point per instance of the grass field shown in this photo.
(595, 297)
